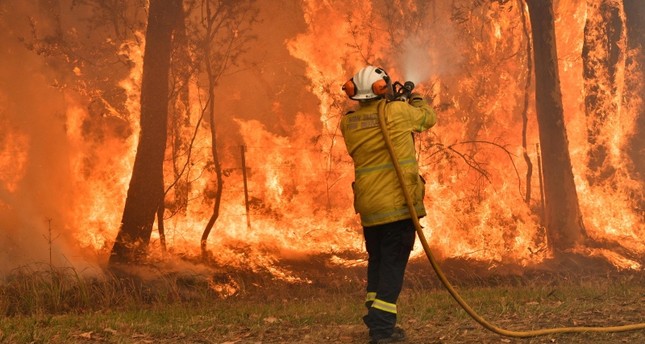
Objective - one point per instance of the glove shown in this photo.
(416, 96)
(417, 100)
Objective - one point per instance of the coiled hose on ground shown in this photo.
(446, 283)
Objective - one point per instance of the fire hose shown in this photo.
(442, 277)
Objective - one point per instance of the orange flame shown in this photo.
(300, 201)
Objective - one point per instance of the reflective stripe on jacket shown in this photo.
(378, 197)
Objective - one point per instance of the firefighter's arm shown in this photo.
(423, 115)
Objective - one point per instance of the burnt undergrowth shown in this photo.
(48, 290)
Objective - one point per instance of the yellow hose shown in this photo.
(446, 283)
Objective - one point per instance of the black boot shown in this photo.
(398, 335)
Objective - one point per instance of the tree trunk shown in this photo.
(146, 184)
(563, 219)
(603, 60)
(218, 173)
(525, 106)
(213, 76)
(180, 116)
(635, 20)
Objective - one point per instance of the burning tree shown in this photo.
(603, 66)
(634, 14)
(145, 194)
(474, 58)
(477, 90)
(563, 218)
(219, 41)
(88, 47)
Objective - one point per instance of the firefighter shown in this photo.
(387, 227)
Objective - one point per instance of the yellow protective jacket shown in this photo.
(378, 197)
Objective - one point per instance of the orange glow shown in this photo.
(470, 60)
(13, 157)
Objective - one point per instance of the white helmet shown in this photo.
(370, 82)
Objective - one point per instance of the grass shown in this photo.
(60, 306)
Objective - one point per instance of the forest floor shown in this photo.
(326, 307)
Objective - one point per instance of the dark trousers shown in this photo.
(388, 247)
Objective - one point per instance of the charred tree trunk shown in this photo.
(603, 62)
(180, 118)
(213, 76)
(161, 226)
(563, 219)
(218, 173)
(525, 106)
(146, 184)
(635, 88)
(179, 121)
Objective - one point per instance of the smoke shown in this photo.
(65, 158)
(33, 144)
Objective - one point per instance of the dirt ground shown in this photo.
(440, 332)
(624, 304)
(327, 308)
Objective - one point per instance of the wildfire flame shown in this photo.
(298, 171)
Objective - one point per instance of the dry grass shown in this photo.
(59, 306)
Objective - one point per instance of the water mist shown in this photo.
(416, 61)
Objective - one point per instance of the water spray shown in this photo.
(417, 62)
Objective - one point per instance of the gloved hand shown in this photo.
(417, 100)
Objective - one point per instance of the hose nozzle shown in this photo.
(403, 91)
(408, 86)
